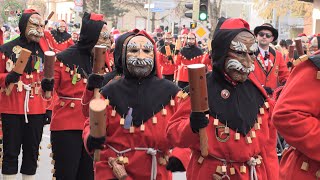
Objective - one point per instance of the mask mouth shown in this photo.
(234, 64)
(140, 62)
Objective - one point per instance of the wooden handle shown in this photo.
(168, 50)
(99, 59)
(203, 142)
(96, 93)
(299, 47)
(48, 94)
(49, 59)
(96, 155)
(22, 61)
(50, 15)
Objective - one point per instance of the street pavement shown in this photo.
(45, 166)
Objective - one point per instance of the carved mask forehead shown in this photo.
(140, 56)
(245, 42)
(105, 37)
(34, 28)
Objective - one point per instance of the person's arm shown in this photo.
(297, 110)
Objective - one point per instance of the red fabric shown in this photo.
(277, 75)
(182, 63)
(179, 132)
(301, 34)
(206, 60)
(57, 46)
(1, 37)
(296, 117)
(235, 23)
(139, 166)
(29, 11)
(96, 17)
(64, 116)
(14, 103)
(86, 98)
(183, 154)
(167, 67)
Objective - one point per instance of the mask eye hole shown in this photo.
(146, 51)
(134, 50)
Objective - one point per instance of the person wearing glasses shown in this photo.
(270, 67)
(189, 54)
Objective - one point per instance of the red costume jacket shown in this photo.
(15, 102)
(296, 116)
(182, 63)
(206, 60)
(167, 67)
(238, 152)
(275, 74)
(57, 46)
(67, 107)
(140, 162)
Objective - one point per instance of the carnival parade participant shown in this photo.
(72, 68)
(137, 115)
(271, 69)
(189, 54)
(23, 111)
(296, 117)
(242, 139)
(166, 58)
(59, 38)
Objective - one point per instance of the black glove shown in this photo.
(289, 64)
(170, 58)
(268, 89)
(198, 120)
(46, 22)
(177, 52)
(95, 143)
(12, 77)
(94, 81)
(47, 84)
(175, 165)
(47, 117)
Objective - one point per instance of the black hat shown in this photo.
(269, 27)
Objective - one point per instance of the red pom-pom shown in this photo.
(96, 17)
(29, 11)
(235, 23)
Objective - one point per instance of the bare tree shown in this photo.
(214, 14)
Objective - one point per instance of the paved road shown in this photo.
(45, 166)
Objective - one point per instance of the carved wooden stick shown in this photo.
(299, 47)
(199, 99)
(97, 122)
(19, 67)
(291, 52)
(49, 59)
(99, 64)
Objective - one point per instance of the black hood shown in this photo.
(79, 55)
(60, 37)
(145, 96)
(221, 44)
(22, 41)
(190, 52)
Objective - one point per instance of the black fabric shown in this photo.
(12, 77)
(240, 110)
(146, 96)
(289, 64)
(109, 76)
(95, 143)
(182, 84)
(162, 49)
(318, 39)
(60, 37)
(47, 84)
(48, 116)
(79, 56)
(94, 81)
(269, 27)
(190, 52)
(22, 42)
(72, 162)
(198, 120)
(315, 60)
(268, 90)
(175, 165)
(168, 77)
(16, 133)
